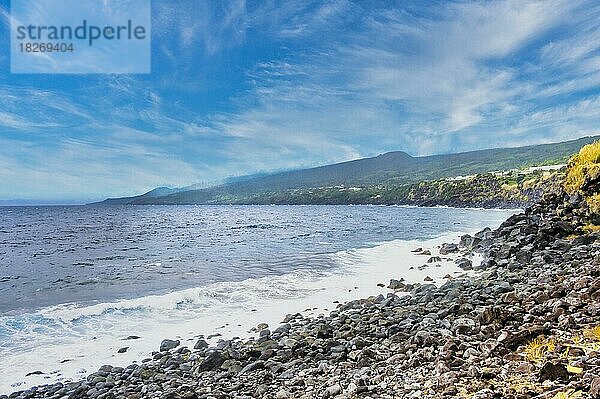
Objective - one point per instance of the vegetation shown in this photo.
(387, 178)
(591, 228)
(593, 202)
(512, 189)
(582, 181)
(563, 351)
(583, 170)
(568, 394)
(537, 350)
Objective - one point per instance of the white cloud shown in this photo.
(214, 25)
(412, 80)
(465, 75)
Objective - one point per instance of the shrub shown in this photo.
(583, 168)
(537, 349)
(593, 202)
(591, 228)
(593, 333)
(569, 394)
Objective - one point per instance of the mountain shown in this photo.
(389, 169)
(39, 202)
(154, 193)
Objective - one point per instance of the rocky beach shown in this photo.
(523, 323)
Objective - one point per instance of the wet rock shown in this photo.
(283, 329)
(265, 333)
(168, 344)
(469, 242)
(201, 344)
(396, 284)
(448, 248)
(262, 326)
(464, 263)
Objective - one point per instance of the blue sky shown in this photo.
(239, 87)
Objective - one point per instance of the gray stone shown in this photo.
(213, 360)
(201, 344)
(168, 344)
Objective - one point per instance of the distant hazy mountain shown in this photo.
(393, 168)
(155, 193)
(38, 202)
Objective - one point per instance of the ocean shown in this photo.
(78, 283)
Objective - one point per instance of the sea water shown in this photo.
(77, 283)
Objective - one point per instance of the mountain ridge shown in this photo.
(389, 169)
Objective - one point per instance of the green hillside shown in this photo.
(387, 170)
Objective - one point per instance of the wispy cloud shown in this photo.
(240, 87)
(213, 25)
(424, 81)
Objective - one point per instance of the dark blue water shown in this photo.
(54, 255)
(75, 282)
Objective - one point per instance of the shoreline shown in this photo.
(509, 207)
(524, 324)
(378, 265)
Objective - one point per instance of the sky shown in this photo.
(240, 87)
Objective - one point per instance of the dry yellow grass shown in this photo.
(522, 383)
(590, 228)
(530, 183)
(594, 332)
(570, 394)
(510, 187)
(583, 167)
(536, 350)
(593, 202)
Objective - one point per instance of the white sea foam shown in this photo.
(67, 341)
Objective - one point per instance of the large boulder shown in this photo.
(168, 344)
(448, 248)
(212, 361)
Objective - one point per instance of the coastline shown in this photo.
(526, 324)
(310, 295)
